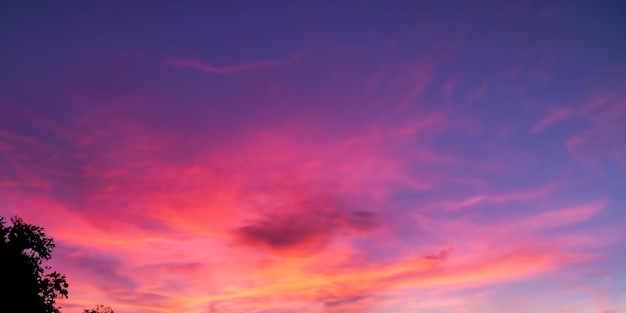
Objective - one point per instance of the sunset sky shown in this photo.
(321, 156)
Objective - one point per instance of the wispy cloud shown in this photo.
(501, 198)
(235, 68)
(554, 117)
(604, 136)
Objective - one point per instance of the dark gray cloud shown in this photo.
(305, 227)
(342, 302)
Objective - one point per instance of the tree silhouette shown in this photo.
(26, 284)
(100, 309)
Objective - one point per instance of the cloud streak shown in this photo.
(557, 116)
(236, 68)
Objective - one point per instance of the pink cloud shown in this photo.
(237, 204)
(240, 234)
(556, 218)
(554, 117)
(501, 198)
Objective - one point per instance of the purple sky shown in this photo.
(322, 156)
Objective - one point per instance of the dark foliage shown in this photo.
(27, 285)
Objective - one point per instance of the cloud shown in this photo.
(442, 255)
(522, 195)
(603, 137)
(555, 117)
(305, 227)
(230, 69)
(563, 217)
(300, 212)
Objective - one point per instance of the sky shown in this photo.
(321, 156)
